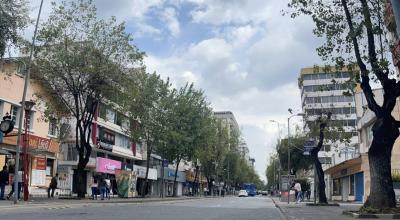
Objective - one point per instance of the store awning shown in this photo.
(341, 169)
(4, 152)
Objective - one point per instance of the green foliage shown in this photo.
(81, 62)
(298, 160)
(14, 17)
(396, 176)
(271, 178)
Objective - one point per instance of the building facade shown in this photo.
(323, 91)
(42, 133)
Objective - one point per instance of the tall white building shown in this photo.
(228, 119)
(322, 91)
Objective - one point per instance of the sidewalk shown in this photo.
(71, 201)
(302, 211)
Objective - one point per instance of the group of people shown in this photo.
(299, 192)
(103, 186)
(5, 180)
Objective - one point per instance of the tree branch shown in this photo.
(364, 71)
(371, 44)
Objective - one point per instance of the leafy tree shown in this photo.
(148, 102)
(296, 154)
(82, 62)
(354, 33)
(14, 18)
(189, 111)
(270, 172)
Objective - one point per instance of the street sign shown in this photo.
(308, 147)
(284, 181)
(165, 163)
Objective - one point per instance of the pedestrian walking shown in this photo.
(108, 188)
(297, 187)
(102, 186)
(95, 189)
(12, 192)
(3, 181)
(52, 186)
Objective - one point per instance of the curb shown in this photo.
(322, 204)
(354, 214)
(283, 217)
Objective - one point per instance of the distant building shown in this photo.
(229, 119)
(321, 92)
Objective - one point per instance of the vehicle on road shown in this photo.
(243, 193)
(250, 188)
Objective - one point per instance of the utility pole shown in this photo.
(26, 82)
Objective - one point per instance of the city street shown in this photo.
(210, 208)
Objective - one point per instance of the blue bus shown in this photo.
(250, 188)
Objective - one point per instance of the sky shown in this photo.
(244, 54)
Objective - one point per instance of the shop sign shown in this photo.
(141, 172)
(38, 177)
(39, 163)
(308, 147)
(35, 143)
(104, 165)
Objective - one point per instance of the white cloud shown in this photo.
(169, 16)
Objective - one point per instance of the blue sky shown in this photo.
(243, 53)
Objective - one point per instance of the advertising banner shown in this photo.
(39, 163)
(104, 165)
(126, 183)
(38, 177)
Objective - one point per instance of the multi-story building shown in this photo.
(112, 149)
(322, 91)
(42, 132)
(229, 120)
(351, 178)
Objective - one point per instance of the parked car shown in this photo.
(243, 193)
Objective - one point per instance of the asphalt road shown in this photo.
(228, 208)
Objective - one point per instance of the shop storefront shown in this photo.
(141, 175)
(347, 181)
(169, 176)
(41, 159)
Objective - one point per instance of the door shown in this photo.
(359, 186)
(345, 188)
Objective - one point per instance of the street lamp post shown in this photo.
(288, 151)
(279, 166)
(26, 81)
(28, 107)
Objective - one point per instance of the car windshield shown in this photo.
(199, 109)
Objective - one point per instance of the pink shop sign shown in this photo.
(104, 165)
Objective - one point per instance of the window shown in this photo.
(337, 187)
(325, 160)
(110, 115)
(352, 185)
(122, 141)
(49, 167)
(53, 128)
(326, 148)
(14, 111)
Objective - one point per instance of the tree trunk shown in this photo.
(81, 185)
(195, 185)
(382, 195)
(176, 174)
(321, 181)
(146, 180)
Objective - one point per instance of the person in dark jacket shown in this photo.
(53, 186)
(102, 187)
(3, 181)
